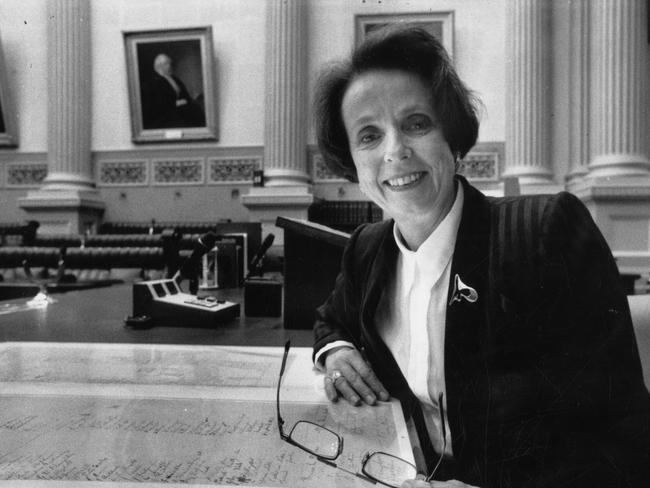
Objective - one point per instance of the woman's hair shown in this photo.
(404, 48)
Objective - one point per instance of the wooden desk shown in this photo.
(97, 315)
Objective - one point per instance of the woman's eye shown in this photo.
(418, 123)
(368, 137)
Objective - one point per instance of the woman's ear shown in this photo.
(456, 161)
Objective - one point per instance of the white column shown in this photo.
(68, 201)
(620, 89)
(69, 95)
(579, 80)
(285, 120)
(528, 61)
(617, 188)
(286, 190)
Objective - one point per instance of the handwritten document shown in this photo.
(130, 364)
(180, 440)
(73, 414)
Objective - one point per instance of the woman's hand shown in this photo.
(349, 375)
(420, 483)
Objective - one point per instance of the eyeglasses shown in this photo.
(327, 445)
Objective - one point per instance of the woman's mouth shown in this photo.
(404, 182)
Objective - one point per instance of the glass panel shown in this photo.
(388, 469)
(316, 439)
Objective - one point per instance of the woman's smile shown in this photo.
(406, 182)
(403, 161)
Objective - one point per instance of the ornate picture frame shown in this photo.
(440, 24)
(8, 133)
(172, 94)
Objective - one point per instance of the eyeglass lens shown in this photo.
(388, 469)
(327, 445)
(316, 439)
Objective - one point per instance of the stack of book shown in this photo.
(344, 215)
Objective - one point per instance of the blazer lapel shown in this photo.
(382, 270)
(465, 321)
(464, 318)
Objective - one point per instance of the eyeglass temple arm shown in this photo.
(443, 428)
(353, 473)
(287, 345)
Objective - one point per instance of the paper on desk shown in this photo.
(178, 440)
(140, 364)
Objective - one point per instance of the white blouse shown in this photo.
(412, 320)
(415, 338)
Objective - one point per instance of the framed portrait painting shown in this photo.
(8, 134)
(439, 24)
(171, 85)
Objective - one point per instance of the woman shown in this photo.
(498, 322)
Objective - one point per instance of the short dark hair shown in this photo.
(405, 48)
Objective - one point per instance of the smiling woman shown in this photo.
(396, 118)
(403, 161)
(465, 307)
(395, 49)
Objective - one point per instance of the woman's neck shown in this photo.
(417, 229)
(414, 234)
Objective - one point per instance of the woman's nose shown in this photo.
(396, 150)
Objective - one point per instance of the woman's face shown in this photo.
(403, 161)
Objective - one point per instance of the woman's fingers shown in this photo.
(347, 391)
(450, 484)
(352, 379)
(415, 484)
(368, 377)
(330, 389)
(435, 484)
(357, 382)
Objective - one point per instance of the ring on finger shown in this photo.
(335, 375)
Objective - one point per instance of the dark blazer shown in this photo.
(543, 377)
(159, 105)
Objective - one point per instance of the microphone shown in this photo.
(190, 268)
(255, 266)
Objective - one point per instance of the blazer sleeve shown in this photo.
(338, 318)
(597, 409)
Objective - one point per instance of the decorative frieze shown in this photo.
(480, 166)
(232, 170)
(122, 173)
(137, 168)
(25, 175)
(320, 172)
(178, 171)
(476, 166)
